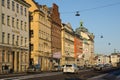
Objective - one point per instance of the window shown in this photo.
(25, 12)
(8, 56)
(3, 18)
(3, 2)
(17, 42)
(17, 7)
(8, 38)
(8, 20)
(13, 38)
(25, 57)
(17, 24)
(3, 37)
(21, 10)
(13, 6)
(25, 42)
(31, 33)
(13, 21)
(31, 47)
(8, 4)
(21, 25)
(22, 56)
(21, 41)
(25, 26)
(31, 18)
(3, 56)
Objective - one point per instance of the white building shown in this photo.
(106, 59)
(14, 35)
(88, 44)
(102, 59)
(114, 59)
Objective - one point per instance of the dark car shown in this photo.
(57, 68)
(99, 67)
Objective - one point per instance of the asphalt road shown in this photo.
(82, 75)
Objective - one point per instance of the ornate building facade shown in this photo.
(14, 35)
(68, 56)
(88, 44)
(40, 35)
(56, 34)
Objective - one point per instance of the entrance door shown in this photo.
(17, 61)
(13, 60)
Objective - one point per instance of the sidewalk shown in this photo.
(102, 78)
(21, 74)
(108, 76)
(11, 75)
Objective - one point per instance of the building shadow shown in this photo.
(72, 78)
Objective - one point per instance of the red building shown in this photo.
(56, 33)
(78, 46)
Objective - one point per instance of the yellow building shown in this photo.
(40, 35)
(14, 35)
(0, 22)
(67, 44)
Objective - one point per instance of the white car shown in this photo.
(70, 68)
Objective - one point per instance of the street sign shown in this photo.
(57, 55)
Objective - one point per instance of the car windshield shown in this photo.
(56, 66)
(68, 65)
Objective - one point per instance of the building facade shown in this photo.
(56, 34)
(14, 35)
(88, 44)
(114, 59)
(0, 22)
(91, 48)
(40, 35)
(78, 49)
(68, 56)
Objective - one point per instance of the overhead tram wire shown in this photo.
(99, 7)
(89, 9)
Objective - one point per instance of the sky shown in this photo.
(100, 17)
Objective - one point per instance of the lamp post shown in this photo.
(77, 13)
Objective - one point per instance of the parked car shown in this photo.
(102, 67)
(33, 68)
(57, 68)
(62, 67)
(37, 67)
(99, 67)
(70, 68)
(81, 67)
(108, 66)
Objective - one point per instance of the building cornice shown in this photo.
(23, 2)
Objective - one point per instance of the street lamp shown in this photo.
(101, 36)
(109, 43)
(77, 13)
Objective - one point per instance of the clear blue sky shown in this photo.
(101, 17)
